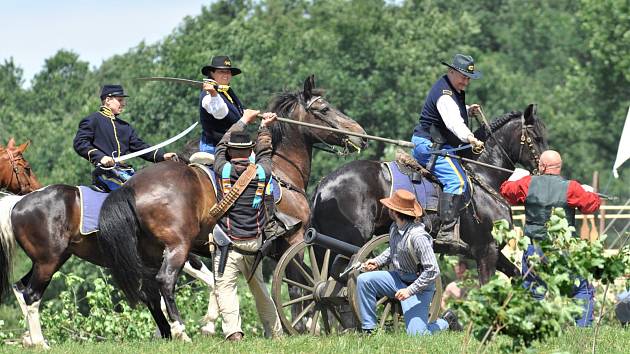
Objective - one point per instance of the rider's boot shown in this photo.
(279, 223)
(449, 214)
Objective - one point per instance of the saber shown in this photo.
(194, 83)
(470, 161)
(199, 84)
(155, 147)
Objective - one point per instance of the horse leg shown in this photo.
(198, 270)
(174, 259)
(486, 257)
(30, 296)
(153, 304)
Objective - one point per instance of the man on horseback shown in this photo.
(102, 136)
(540, 194)
(444, 125)
(243, 223)
(219, 109)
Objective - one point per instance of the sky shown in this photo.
(33, 30)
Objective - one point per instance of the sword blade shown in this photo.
(155, 147)
(194, 83)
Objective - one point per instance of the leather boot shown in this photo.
(279, 224)
(449, 214)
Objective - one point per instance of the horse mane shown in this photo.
(283, 104)
(482, 132)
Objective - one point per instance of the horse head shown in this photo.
(16, 175)
(516, 137)
(309, 106)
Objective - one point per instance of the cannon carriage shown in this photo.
(314, 286)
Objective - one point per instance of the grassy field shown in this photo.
(610, 340)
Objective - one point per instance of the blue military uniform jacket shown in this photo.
(100, 135)
(431, 116)
(214, 129)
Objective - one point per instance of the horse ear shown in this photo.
(11, 144)
(530, 113)
(23, 147)
(309, 85)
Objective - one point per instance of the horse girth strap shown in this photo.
(230, 198)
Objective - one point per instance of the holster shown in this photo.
(223, 243)
(438, 142)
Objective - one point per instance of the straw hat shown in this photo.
(403, 202)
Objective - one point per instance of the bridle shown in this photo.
(527, 139)
(13, 159)
(347, 143)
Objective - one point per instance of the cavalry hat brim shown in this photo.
(206, 69)
(474, 75)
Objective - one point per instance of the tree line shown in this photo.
(376, 59)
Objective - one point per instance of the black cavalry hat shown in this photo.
(240, 140)
(112, 91)
(220, 62)
(465, 65)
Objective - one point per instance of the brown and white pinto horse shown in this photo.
(15, 172)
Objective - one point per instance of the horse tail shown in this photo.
(118, 241)
(7, 242)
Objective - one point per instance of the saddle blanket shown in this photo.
(425, 191)
(91, 203)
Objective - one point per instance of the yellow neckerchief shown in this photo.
(224, 89)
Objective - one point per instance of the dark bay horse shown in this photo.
(346, 203)
(149, 226)
(16, 175)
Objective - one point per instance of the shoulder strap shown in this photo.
(237, 189)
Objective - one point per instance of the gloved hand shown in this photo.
(588, 188)
(518, 174)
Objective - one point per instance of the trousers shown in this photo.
(372, 286)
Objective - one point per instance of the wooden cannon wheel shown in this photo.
(389, 311)
(311, 309)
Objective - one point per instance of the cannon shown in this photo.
(318, 294)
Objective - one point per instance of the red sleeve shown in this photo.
(516, 191)
(577, 197)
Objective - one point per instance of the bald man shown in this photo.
(540, 195)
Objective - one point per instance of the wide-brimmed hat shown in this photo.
(465, 65)
(240, 140)
(112, 91)
(403, 202)
(220, 62)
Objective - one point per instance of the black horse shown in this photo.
(346, 202)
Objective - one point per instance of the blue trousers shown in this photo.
(206, 147)
(449, 171)
(584, 292)
(371, 286)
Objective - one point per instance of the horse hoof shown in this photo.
(183, 337)
(27, 342)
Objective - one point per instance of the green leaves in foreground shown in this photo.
(506, 308)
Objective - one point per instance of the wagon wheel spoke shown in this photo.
(325, 265)
(299, 299)
(300, 285)
(396, 317)
(385, 313)
(314, 266)
(381, 301)
(303, 271)
(336, 315)
(314, 323)
(306, 310)
(325, 319)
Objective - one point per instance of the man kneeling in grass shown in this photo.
(412, 279)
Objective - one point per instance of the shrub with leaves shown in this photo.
(506, 307)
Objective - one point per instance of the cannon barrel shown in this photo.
(313, 237)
